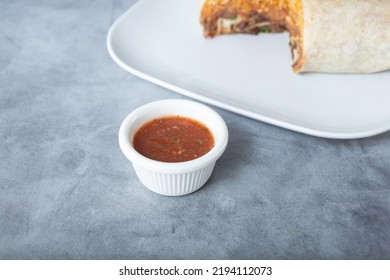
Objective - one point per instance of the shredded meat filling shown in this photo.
(257, 23)
(220, 19)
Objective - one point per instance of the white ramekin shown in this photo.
(179, 178)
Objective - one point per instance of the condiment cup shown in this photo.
(178, 178)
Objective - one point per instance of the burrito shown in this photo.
(338, 36)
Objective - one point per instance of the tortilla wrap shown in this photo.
(346, 36)
(339, 36)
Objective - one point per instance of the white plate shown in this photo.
(162, 41)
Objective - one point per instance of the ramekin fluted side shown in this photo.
(174, 184)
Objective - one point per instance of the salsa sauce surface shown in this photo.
(173, 139)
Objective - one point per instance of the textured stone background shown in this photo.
(67, 192)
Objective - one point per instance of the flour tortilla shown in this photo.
(351, 36)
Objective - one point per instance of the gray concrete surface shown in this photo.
(67, 192)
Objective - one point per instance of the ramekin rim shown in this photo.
(167, 167)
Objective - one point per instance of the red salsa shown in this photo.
(173, 139)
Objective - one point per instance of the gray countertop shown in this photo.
(67, 191)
